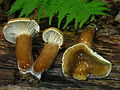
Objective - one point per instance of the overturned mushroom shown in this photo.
(79, 60)
(20, 32)
(53, 40)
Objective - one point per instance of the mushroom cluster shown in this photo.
(20, 32)
(78, 61)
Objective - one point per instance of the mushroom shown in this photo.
(80, 60)
(53, 39)
(20, 31)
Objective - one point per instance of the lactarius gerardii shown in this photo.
(53, 38)
(80, 60)
(20, 32)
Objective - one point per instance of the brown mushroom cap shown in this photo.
(53, 35)
(80, 61)
(18, 26)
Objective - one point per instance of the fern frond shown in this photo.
(68, 20)
(98, 3)
(78, 19)
(78, 10)
(61, 15)
(40, 11)
(92, 18)
(52, 11)
(84, 19)
(17, 5)
(29, 7)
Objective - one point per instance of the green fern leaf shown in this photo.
(78, 19)
(98, 3)
(40, 11)
(85, 18)
(17, 6)
(53, 11)
(29, 7)
(78, 10)
(61, 15)
(69, 18)
(92, 18)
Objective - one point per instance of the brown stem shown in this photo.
(86, 36)
(24, 51)
(46, 57)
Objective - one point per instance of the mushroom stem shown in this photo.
(24, 52)
(46, 57)
(86, 36)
